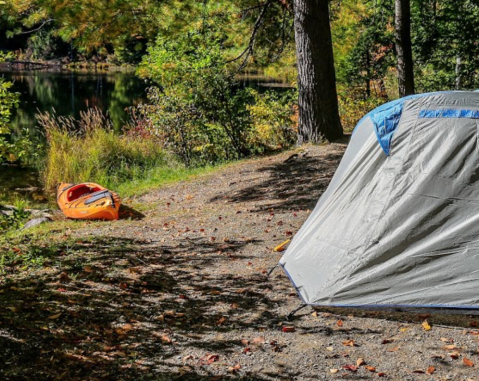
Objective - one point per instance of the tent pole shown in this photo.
(292, 313)
(271, 270)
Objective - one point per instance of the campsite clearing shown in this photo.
(181, 293)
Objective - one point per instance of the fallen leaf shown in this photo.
(221, 320)
(454, 355)
(370, 368)
(165, 339)
(430, 370)
(314, 314)
(381, 374)
(349, 343)
(53, 317)
(247, 350)
(288, 329)
(333, 371)
(234, 369)
(467, 362)
(360, 362)
(450, 347)
(124, 329)
(339, 323)
(395, 349)
(352, 368)
(282, 246)
(426, 325)
(418, 371)
(387, 341)
(211, 358)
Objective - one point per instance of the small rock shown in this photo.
(36, 222)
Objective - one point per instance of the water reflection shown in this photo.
(69, 93)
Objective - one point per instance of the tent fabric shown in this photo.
(398, 230)
(386, 118)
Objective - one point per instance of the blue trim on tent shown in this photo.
(394, 306)
(378, 306)
(386, 119)
(449, 113)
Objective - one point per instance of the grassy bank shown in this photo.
(90, 150)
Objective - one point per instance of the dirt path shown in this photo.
(182, 294)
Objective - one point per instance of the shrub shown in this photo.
(88, 149)
(199, 111)
(15, 219)
(273, 120)
(353, 106)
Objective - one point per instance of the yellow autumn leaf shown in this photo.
(426, 325)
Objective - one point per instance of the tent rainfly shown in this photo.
(398, 227)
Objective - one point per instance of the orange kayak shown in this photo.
(88, 201)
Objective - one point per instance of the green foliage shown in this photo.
(89, 150)
(199, 111)
(11, 149)
(444, 31)
(273, 120)
(353, 105)
(14, 219)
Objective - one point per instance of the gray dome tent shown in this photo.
(399, 224)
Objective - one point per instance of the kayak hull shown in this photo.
(88, 201)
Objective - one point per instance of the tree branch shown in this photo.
(37, 29)
(250, 48)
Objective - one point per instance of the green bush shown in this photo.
(354, 105)
(199, 111)
(14, 220)
(89, 150)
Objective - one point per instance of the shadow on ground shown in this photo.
(114, 308)
(296, 183)
(129, 213)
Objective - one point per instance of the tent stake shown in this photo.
(292, 313)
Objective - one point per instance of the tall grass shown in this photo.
(89, 149)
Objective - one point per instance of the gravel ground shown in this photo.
(180, 291)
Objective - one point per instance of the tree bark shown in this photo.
(403, 48)
(458, 72)
(318, 98)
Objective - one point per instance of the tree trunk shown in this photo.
(403, 48)
(458, 72)
(368, 75)
(318, 98)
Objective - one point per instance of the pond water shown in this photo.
(68, 92)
